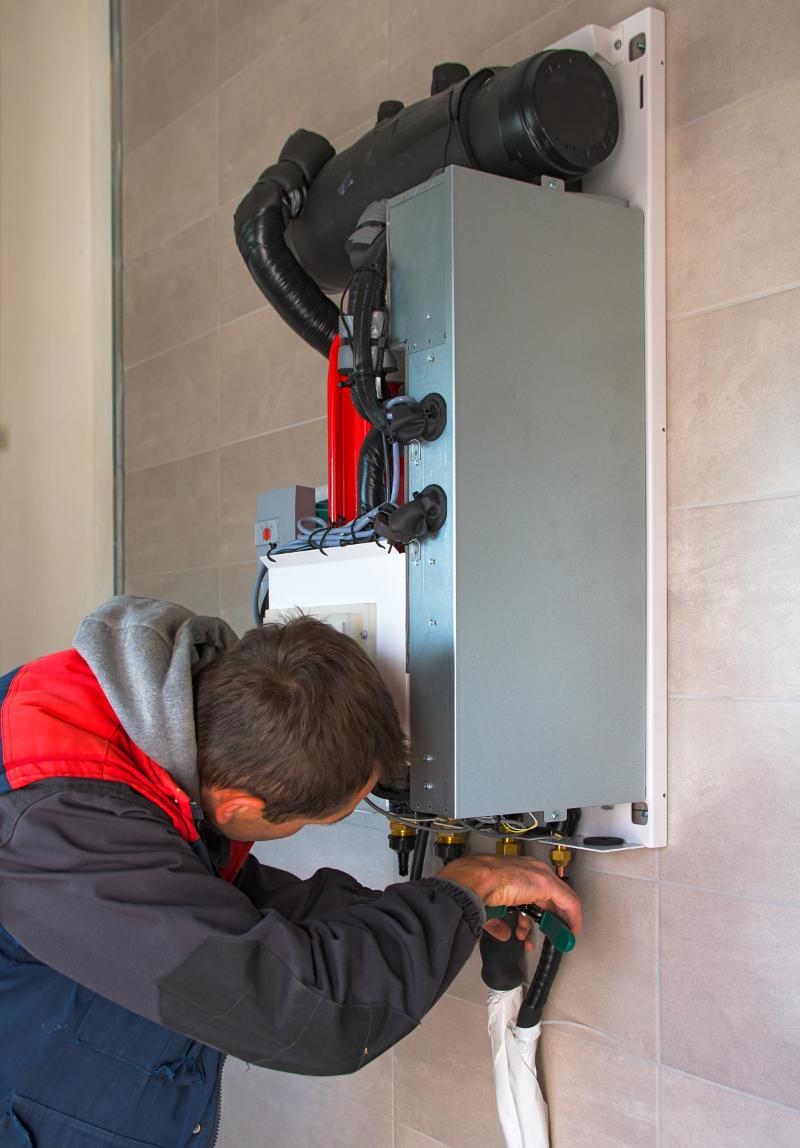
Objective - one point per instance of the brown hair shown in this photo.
(298, 715)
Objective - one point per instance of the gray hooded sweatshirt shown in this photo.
(317, 976)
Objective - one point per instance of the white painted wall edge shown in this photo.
(56, 389)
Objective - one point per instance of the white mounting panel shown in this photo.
(635, 172)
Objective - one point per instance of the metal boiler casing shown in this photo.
(523, 307)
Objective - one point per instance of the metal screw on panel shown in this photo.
(427, 316)
(618, 44)
(363, 635)
(431, 358)
(427, 785)
(431, 561)
(427, 757)
(551, 183)
(432, 622)
(554, 816)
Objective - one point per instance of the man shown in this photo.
(140, 941)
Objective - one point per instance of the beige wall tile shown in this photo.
(716, 54)
(731, 227)
(196, 589)
(468, 985)
(264, 104)
(734, 402)
(443, 1077)
(268, 377)
(171, 68)
(726, 756)
(170, 182)
(296, 456)
(555, 22)
(423, 34)
(595, 1096)
(730, 1008)
(734, 618)
(619, 938)
(406, 1137)
(236, 592)
(136, 16)
(238, 293)
(260, 1107)
(696, 1112)
(172, 516)
(170, 294)
(246, 28)
(171, 404)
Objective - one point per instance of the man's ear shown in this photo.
(232, 803)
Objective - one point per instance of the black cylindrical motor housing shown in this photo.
(554, 113)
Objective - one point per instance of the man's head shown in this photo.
(294, 726)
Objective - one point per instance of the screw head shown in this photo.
(427, 785)
(432, 622)
(618, 44)
(427, 757)
(555, 815)
(363, 635)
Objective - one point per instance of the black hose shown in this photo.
(259, 226)
(367, 292)
(259, 604)
(371, 466)
(418, 861)
(532, 1007)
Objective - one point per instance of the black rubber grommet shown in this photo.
(604, 841)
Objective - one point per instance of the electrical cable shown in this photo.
(260, 605)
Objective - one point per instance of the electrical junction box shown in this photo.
(277, 514)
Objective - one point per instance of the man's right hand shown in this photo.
(516, 881)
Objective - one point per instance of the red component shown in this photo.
(266, 534)
(346, 432)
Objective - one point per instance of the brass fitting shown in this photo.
(449, 845)
(560, 857)
(398, 829)
(508, 847)
(451, 838)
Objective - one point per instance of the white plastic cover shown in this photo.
(520, 1103)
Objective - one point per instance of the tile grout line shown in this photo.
(223, 445)
(767, 496)
(171, 124)
(149, 29)
(754, 95)
(172, 347)
(740, 301)
(578, 1038)
(732, 698)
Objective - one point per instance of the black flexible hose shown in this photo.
(367, 292)
(259, 226)
(532, 1007)
(418, 860)
(371, 466)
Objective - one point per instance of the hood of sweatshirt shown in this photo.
(145, 655)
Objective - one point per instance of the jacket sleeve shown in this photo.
(319, 982)
(269, 888)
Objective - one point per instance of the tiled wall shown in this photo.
(689, 960)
